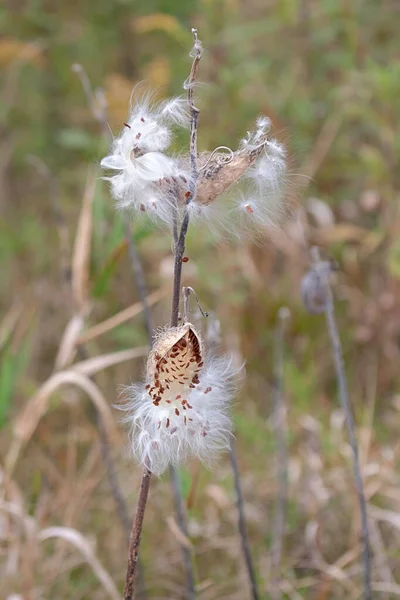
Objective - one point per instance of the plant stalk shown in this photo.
(136, 534)
(242, 523)
(329, 310)
(345, 401)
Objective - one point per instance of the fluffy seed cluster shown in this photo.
(259, 164)
(182, 409)
(146, 178)
(150, 181)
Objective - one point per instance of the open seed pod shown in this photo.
(219, 174)
(173, 366)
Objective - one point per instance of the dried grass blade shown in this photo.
(81, 252)
(92, 366)
(384, 587)
(81, 543)
(9, 322)
(67, 346)
(37, 406)
(119, 318)
(381, 514)
(177, 533)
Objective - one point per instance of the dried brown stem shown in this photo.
(329, 310)
(281, 458)
(242, 524)
(182, 522)
(197, 52)
(180, 245)
(136, 534)
(179, 252)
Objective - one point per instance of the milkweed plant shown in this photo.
(182, 408)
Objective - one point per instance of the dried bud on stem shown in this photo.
(313, 287)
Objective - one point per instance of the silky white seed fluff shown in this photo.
(276, 148)
(176, 111)
(197, 49)
(139, 161)
(193, 423)
(264, 123)
(260, 201)
(252, 212)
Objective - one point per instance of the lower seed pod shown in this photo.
(182, 410)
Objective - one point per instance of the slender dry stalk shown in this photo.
(138, 275)
(323, 295)
(279, 424)
(134, 542)
(136, 534)
(182, 522)
(213, 342)
(242, 523)
(180, 244)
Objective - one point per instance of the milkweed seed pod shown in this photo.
(148, 180)
(182, 409)
(259, 166)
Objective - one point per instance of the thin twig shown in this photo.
(182, 522)
(119, 499)
(329, 310)
(138, 274)
(186, 291)
(194, 118)
(196, 53)
(179, 252)
(136, 534)
(242, 523)
(279, 424)
(176, 489)
(96, 101)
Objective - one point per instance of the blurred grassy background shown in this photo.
(328, 74)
